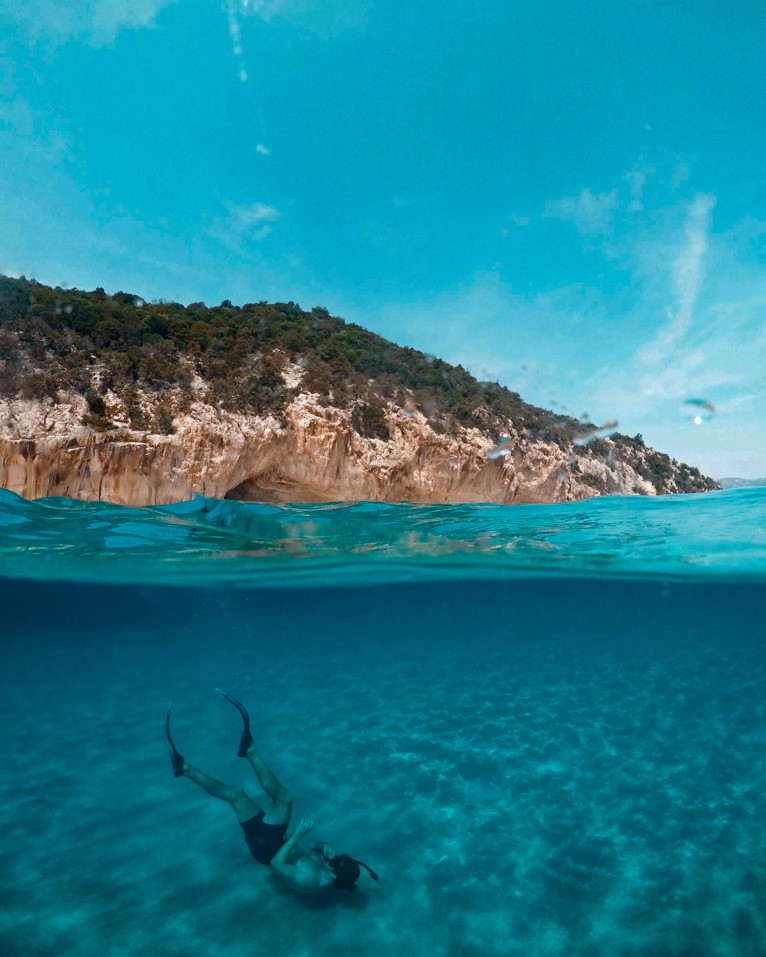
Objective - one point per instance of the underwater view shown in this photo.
(542, 727)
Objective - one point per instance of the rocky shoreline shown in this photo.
(311, 453)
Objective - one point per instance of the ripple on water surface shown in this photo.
(707, 536)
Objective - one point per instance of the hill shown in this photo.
(228, 400)
(741, 483)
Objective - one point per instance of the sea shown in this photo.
(542, 726)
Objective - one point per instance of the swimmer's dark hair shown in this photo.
(347, 871)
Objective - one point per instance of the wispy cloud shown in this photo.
(702, 306)
(245, 217)
(636, 180)
(591, 213)
(27, 132)
(318, 16)
(686, 277)
(244, 224)
(96, 21)
(689, 324)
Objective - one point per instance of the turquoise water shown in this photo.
(543, 726)
(210, 542)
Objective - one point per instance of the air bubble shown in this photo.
(698, 410)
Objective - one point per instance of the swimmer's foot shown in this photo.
(247, 739)
(175, 758)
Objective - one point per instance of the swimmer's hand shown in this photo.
(322, 849)
(328, 852)
(304, 827)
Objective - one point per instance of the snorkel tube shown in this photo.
(346, 868)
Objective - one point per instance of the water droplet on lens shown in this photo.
(608, 428)
(698, 410)
(502, 448)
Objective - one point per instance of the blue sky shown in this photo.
(567, 197)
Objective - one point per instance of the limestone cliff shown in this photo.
(311, 453)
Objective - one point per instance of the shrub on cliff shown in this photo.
(369, 420)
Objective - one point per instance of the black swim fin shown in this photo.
(247, 739)
(175, 758)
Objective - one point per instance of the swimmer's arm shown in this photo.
(281, 864)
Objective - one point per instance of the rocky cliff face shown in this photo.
(310, 454)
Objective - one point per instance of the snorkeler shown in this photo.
(265, 831)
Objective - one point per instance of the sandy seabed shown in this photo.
(571, 771)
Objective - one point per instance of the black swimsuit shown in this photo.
(264, 840)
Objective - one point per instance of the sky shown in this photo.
(568, 198)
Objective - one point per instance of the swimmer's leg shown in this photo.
(240, 802)
(247, 739)
(282, 800)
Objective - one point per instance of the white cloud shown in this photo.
(97, 21)
(319, 16)
(591, 213)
